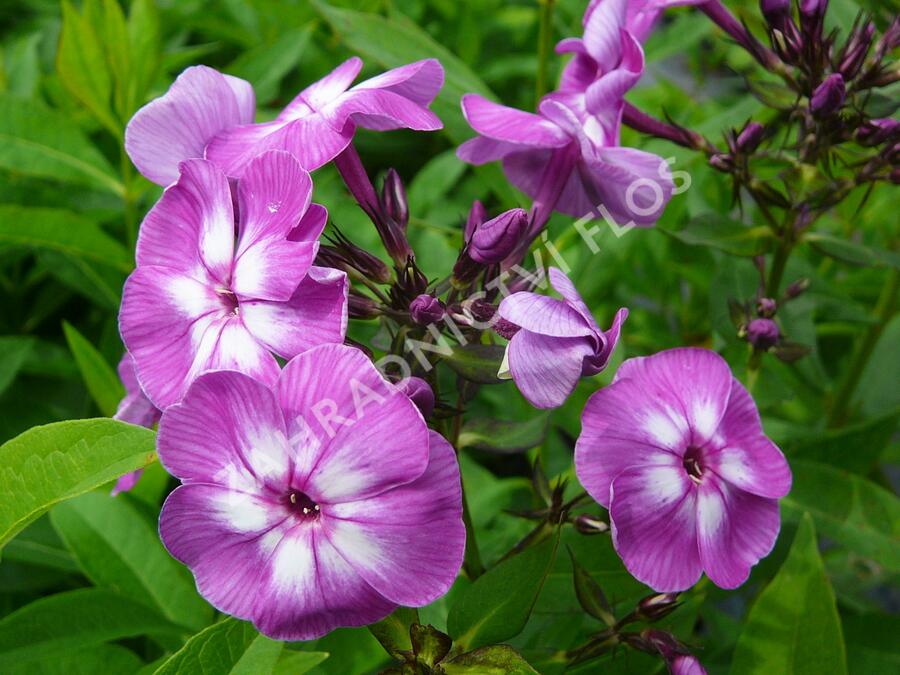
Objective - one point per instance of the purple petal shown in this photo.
(563, 285)
(415, 526)
(481, 150)
(274, 194)
(227, 431)
(178, 125)
(632, 184)
(135, 407)
(544, 315)
(191, 228)
(419, 82)
(272, 270)
(653, 521)
(311, 225)
(308, 589)
(126, 483)
(610, 338)
(686, 392)
(621, 427)
(744, 456)
(734, 530)
(546, 369)
(323, 92)
(511, 125)
(382, 110)
(604, 98)
(601, 32)
(315, 314)
(226, 538)
(686, 665)
(347, 416)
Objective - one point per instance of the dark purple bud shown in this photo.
(393, 199)
(766, 307)
(722, 162)
(796, 288)
(482, 310)
(347, 256)
(361, 306)
(655, 607)
(856, 49)
(663, 642)
(750, 137)
(505, 329)
(477, 215)
(775, 11)
(495, 239)
(419, 392)
(828, 96)
(588, 525)
(876, 132)
(812, 10)
(426, 309)
(720, 15)
(763, 333)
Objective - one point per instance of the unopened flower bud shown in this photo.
(655, 607)
(686, 664)
(796, 288)
(586, 524)
(828, 96)
(361, 306)
(876, 132)
(663, 642)
(775, 11)
(426, 309)
(477, 215)
(766, 307)
(750, 137)
(855, 50)
(812, 15)
(419, 392)
(763, 333)
(393, 199)
(505, 329)
(722, 162)
(495, 239)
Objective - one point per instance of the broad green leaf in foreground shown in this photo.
(497, 606)
(36, 141)
(14, 350)
(718, 232)
(794, 626)
(119, 548)
(62, 231)
(51, 463)
(99, 377)
(68, 621)
(849, 509)
(88, 661)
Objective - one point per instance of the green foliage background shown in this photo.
(86, 587)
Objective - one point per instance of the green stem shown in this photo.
(779, 262)
(545, 35)
(884, 310)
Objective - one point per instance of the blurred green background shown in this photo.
(70, 204)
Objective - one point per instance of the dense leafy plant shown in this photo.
(715, 185)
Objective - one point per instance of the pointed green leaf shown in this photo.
(590, 595)
(504, 436)
(392, 632)
(230, 647)
(493, 660)
(14, 351)
(794, 627)
(478, 363)
(87, 661)
(101, 380)
(51, 463)
(297, 663)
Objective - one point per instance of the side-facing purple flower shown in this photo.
(320, 122)
(303, 509)
(557, 343)
(134, 408)
(199, 300)
(675, 450)
(568, 160)
(178, 125)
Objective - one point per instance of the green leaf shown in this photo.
(872, 645)
(297, 663)
(62, 231)
(266, 65)
(504, 436)
(51, 463)
(40, 142)
(497, 606)
(230, 647)
(867, 440)
(82, 67)
(88, 661)
(434, 180)
(493, 660)
(478, 363)
(429, 644)
(590, 595)
(851, 252)
(38, 544)
(14, 351)
(392, 632)
(794, 626)
(99, 377)
(145, 48)
(117, 547)
(725, 235)
(64, 622)
(848, 509)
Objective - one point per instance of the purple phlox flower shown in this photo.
(419, 392)
(320, 122)
(674, 448)
(178, 125)
(558, 342)
(134, 408)
(302, 508)
(201, 299)
(208, 114)
(568, 162)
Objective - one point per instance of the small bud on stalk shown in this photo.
(393, 199)
(426, 309)
(361, 306)
(763, 333)
(855, 50)
(655, 607)
(494, 240)
(766, 307)
(750, 138)
(588, 525)
(477, 215)
(829, 96)
(420, 393)
(878, 131)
